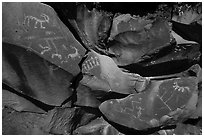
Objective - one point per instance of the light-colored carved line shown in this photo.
(64, 47)
(93, 61)
(29, 46)
(30, 38)
(47, 40)
(46, 17)
(165, 103)
(187, 88)
(169, 97)
(56, 50)
(162, 95)
(140, 109)
(90, 64)
(139, 113)
(47, 33)
(84, 67)
(41, 21)
(97, 61)
(26, 18)
(132, 106)
(182, 89)
(88, 67)
(74, 55)
(46, 49)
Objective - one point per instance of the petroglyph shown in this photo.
(74, 55)
(71, 55)
(180, 89)
(30, 38)
(28, 18)
(46, 49)
(90, 64)
(64, 47)
(135, 110)
(165, 102)
(47, 33)
(51, 46)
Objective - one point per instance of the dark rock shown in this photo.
(65, 120)
(18, 103)
(35, 77)
(87, 97)
(92, 26)
(36, 27)
(22, 123)
(97, 127)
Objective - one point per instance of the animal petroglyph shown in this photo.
(45, 19)
(74, 55)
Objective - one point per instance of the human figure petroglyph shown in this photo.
(51, 45)
(51, 40)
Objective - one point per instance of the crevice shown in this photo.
(112, 95)
(192, 121)
(131, 131)
(38, 103)
(165, 68)
(80, 113)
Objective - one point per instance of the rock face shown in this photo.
(172, 98)
(57, 121)
(76, 69)
(92, 26)
(88, 97)
(15, 123)
(35, 77)
(126, 22)
(97, 127)
(18, 103)
(36, 27)
(65, 120)
(110, 76)
(131, 45)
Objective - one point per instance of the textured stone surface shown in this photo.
(147, 109)
(65, 120)
(130, 46)
(107, 75)
(36, 27)
(92, 26)
(45, 66)
(18, 103)
(87, 97)
(33, 76)
(16, 123)
(97, 127)
(126, 22)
